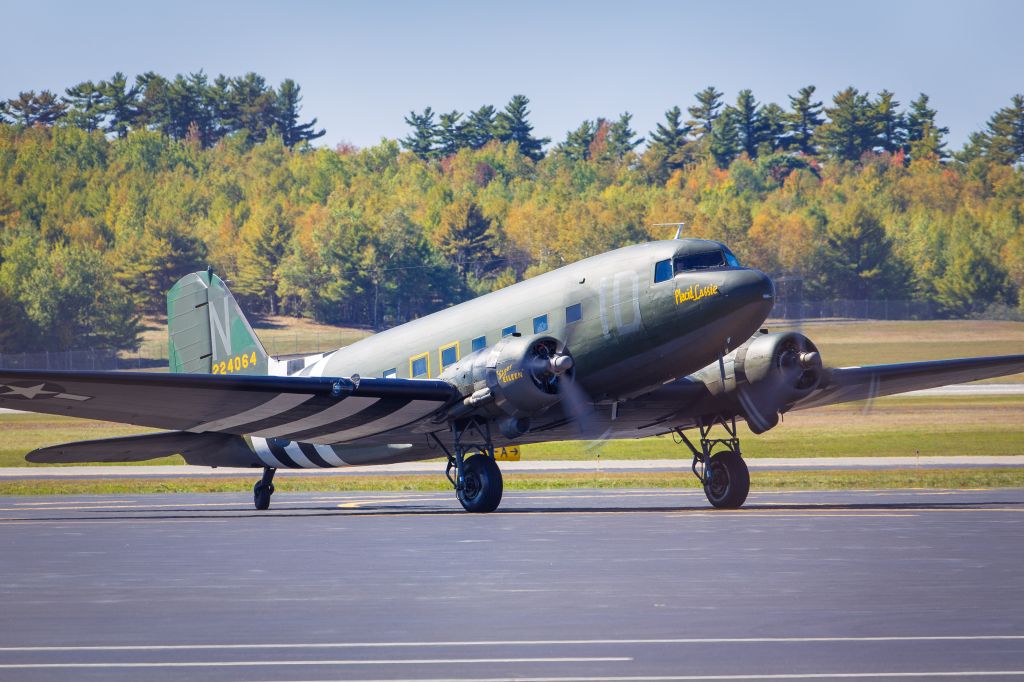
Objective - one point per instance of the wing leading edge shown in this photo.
(861, 383)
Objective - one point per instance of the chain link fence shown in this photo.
(864, 309)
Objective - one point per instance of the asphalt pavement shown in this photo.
(557, 585)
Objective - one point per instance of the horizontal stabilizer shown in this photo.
(204, 449)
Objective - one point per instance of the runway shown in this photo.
(558, 585)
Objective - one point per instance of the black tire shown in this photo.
(482, 485)
(261, 495)
(728, 481)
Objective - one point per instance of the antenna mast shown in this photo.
(678, 226)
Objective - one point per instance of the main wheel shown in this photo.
(261, 493)
(727, 480)
(482, 485)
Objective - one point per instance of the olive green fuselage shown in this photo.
(632, 333)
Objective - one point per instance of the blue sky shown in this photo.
(363, 66)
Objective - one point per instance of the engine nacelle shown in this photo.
(766, 375)
(516, 378)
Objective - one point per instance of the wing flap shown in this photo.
(206, 449)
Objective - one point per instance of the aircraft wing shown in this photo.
(310, 409)
(861, 383)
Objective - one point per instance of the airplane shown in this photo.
(657, 338)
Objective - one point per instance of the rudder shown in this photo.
(207, 332)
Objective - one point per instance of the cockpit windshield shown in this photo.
(700, 261)
(714, 257)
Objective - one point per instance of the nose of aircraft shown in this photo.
(750, 288)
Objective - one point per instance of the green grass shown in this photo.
(761, 480)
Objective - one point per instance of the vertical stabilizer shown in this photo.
(207, 332)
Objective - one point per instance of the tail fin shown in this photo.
(207, 332)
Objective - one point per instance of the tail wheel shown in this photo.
(261, 493)
(482, 485)
(726, 480)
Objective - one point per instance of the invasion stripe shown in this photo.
(413, 411)
(316, 405)
(313, 456)
(329, 455)
(298, 422)
(281, 455)
(279, 403)
(263, 452)
(380, 409)
(295, 452)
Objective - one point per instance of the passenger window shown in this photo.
(574, 313)
(449, 355)
(479, 343)
(419, 366)
(508, 331)
(391, 373)
(540, 324)
(663, 271)
(700, 261)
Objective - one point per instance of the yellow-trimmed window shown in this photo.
(419, 366)
(449, 354)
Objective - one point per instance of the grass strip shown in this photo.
(766, 480)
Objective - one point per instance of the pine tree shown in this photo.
(30, 109)
(773, 128)
(851, 130)
(671, 138)
(577, 142)
(424, 133)
(511, 125)
(749, 124)
(120, 104)
(889, 123)
(704, 113)
(622, 138)
(803, 121)
(922, 131)
(724, 141)
(85, 102)
(286, 114)
(479, 129)
(451, 134)
(1005, 132)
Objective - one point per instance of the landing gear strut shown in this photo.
(471, 468)
(722, 471)
(264, 488)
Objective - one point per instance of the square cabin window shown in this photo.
(449, 355)
(574, 313)
(391, 373)
(540, 324)
(479, 343)
(419, 366)
(508, 331)
(663, 271)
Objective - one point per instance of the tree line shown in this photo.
(96, 224)
(191, 106)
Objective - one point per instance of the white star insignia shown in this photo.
(29, 392)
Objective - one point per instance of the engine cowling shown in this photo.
(516, 378)
(766, 375)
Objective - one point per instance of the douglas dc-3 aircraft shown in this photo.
(656, 338)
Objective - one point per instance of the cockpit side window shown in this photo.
(730, 259)
(663, 271)
(700, 261)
